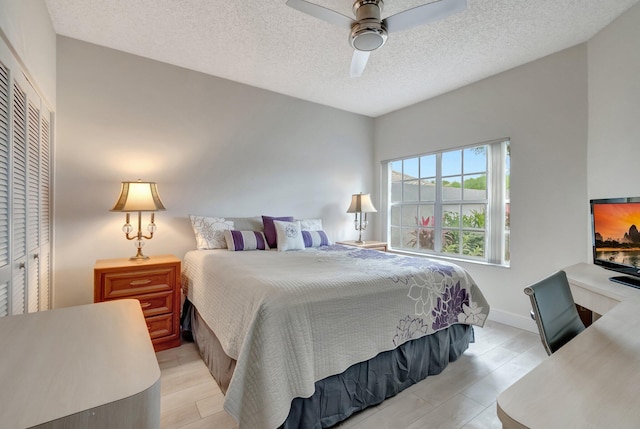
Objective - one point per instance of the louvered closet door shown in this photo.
(45, 210)
(19, 199)
(25, 178)
(33, 205)
(5, 263)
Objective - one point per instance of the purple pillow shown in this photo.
(270, 228)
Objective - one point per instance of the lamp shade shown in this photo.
(138, 197)
(361, 203)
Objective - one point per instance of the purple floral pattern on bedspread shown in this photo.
(332, 248)
(449, 306)
(441, 299)
(371, 254)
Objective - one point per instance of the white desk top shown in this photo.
(61, 362)
(594, 380)
(596, 279)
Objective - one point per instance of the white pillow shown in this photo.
(311, 224)
(209, 231)
(288, 235)
(247, 223)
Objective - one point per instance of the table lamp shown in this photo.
(138, 197)
(361, 203)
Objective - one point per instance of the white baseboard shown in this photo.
(515, 320)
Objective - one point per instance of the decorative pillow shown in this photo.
(315, 238)
(245, 240)
(270, 230)
(209, 231)
(247, 223)
(289, 236)
(311, 224)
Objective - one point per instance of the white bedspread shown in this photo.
(292, 318)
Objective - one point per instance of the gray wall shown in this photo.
(28, 27)
(614, 108)
(542, 107)
(215, 148)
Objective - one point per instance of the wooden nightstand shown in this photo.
(154, 282)
(373, 245)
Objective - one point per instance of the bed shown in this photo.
(306, 338)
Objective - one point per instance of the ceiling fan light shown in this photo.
(368, 33)
(367, 38)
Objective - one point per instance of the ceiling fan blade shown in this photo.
(424, 14)
(320, 12)
(358, 63)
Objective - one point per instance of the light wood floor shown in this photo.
(462, 396)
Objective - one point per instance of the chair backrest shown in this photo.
(555, 312)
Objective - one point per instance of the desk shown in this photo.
(90, 366)
(594, 380)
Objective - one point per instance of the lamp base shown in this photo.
(360, 242)
(139, 256)
(139, 238)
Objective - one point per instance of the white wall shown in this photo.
(614, 108)
(215, 147)
(542, 107)
(28, 28)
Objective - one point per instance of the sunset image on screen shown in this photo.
(617, 222)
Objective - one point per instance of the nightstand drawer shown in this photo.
(156, 303)
(154, 282)
(124, 284)
(160, 326)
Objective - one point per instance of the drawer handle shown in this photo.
(140, 282)
(145, 304)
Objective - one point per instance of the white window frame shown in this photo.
(496, 231)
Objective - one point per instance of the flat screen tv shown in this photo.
(616, 237)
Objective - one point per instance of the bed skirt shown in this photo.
(362, 385)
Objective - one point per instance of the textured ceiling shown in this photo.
(267, 44)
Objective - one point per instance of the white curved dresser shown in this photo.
(90, 366)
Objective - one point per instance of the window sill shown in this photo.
(445, 258)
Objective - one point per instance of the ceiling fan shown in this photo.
(368, 31)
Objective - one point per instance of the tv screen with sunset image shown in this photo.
(616, 235)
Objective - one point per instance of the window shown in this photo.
(452, 203)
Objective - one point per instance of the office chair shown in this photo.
(554, 311)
